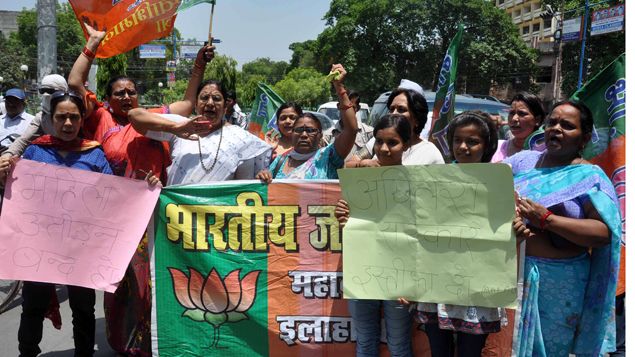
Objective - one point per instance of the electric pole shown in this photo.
(46, 38)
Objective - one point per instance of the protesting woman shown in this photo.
(569, 216)
(525, 117)
(202, 149)
(64, 148)
(392, 137)
(282, 140)
(412, 105)
(473, 138)
(130, 154)
(307, 160)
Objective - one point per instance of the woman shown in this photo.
(307, 160)
(64, 148)
(202, 149)
(282, 140)
(525, 117)
(130, 154)
(392, 137)
(567, 208)
(473, 137)
(414, 107)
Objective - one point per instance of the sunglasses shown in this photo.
(309, 131)
(46, 90)
(61, 93)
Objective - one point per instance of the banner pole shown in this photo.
(211, 16)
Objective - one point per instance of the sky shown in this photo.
(248, 29)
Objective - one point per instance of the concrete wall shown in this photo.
(8, 22)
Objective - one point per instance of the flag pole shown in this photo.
(211, 16)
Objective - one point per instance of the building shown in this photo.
(8, 22)
(536, 29)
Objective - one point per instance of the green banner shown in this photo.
(443, 110)
(434, 233)
(186, 4)
(263, 111)
(605, 95)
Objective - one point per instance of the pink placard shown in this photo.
(68, 226)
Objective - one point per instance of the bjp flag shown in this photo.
(129, 23)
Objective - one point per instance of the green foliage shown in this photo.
(303, 54)
(110, 68)
(306, 86)
(246, 89)
(601, 49)
(381, 41)
(10, 61)
(223, 69)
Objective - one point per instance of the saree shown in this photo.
(595, 328)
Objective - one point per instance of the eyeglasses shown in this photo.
(310, 131)
(122, 93)
(46, 90)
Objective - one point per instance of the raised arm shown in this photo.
(345, 141)
(186, 106)
(143, 121)
(79, 73)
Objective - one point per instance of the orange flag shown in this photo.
(129, 23)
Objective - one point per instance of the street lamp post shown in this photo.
(24, 68)
(160, 84)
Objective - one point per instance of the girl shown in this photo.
(474, 139)
(286, 116)
(392, 137)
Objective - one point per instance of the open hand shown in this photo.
(192, 129)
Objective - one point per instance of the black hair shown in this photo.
(231, 95)
(397, 121)
(353, 94)
(310, 116)
(62, 96)
(116, 79)
(417, 105)
(296, 108)
(210, 82)
(487, 130)
(586, 116)
(534, 104)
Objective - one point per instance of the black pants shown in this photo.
(35, 301)
(442, 342)
(620, 327)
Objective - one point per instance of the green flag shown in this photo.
(605, 95)
(263, 111)
(443, 110)
(186, 4)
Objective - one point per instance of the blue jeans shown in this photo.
(367, 321)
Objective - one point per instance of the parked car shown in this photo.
(462, 103)
(324, 120)
(330, 109)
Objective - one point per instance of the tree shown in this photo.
(601, 49)
(273, 71)
(109, 68)
(223, 69)
(306, 86)
(304, 54)
(382, 41)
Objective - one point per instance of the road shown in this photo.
(55, 343)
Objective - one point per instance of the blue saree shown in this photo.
(593, 328)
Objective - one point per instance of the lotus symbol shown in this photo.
(215, 300)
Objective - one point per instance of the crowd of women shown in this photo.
(566, 209)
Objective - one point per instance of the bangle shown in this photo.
(88, 53)
(543, 219)
(342, 92)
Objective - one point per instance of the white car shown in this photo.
(330, 110)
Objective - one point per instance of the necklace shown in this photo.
(200, 153)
